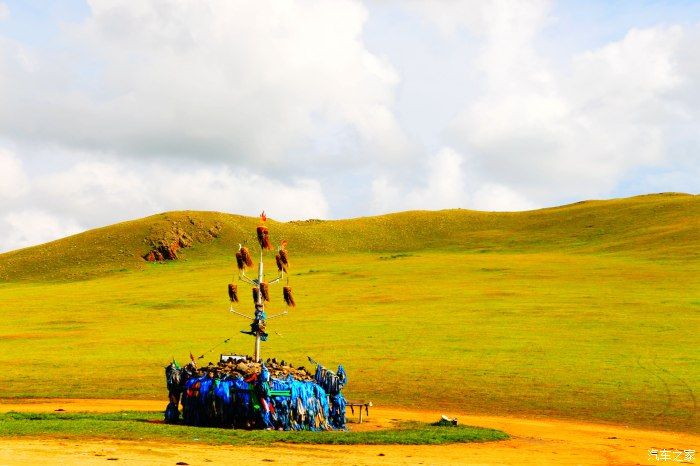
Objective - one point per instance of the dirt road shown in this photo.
(534, 441)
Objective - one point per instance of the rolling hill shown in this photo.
(586, 311)
(659, 226)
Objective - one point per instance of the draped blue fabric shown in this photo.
(263, 403)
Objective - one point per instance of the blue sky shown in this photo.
(113, 110)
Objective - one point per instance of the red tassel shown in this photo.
(264, 237)
(256, 294)
(265, 290)
(287, 295)
(245, 255)
(284, 257)
(262, 231)
(280, 265)
(233, 292)
(239, 261)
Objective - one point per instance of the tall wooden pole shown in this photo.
(259, 309)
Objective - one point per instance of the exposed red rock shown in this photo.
(166, 247)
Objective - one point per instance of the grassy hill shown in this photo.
(586, 311)
(661, 226)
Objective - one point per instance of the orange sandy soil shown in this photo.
(534, 441)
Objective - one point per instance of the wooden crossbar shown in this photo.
(360, 405)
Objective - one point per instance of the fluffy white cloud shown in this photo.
(442, 186)
(552, 128)
(237, 81)
(30, 227)
(576, 130)
(445, 183)
(499, 198)
(518, 19)
(4, 11)
(13, 181)
(91, 194)
(241, 192)
(448, 183)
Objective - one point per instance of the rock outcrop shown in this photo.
(165, 247)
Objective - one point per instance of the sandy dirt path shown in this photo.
(534, 441)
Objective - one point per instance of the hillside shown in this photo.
(659, 226)
(586, 311)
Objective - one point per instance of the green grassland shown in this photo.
(131, 425)
(587, 311)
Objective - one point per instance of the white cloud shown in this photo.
(241, 192)
(575, 131)
(102, 190)
(30, 227)
(13, 180)
(500, 198)
(89, 194)
(242, 82)
(520, 19)
(99, 192)
(447, 184)
(4, 11)
(441, 187)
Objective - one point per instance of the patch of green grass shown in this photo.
(595, 337)
(131, 425)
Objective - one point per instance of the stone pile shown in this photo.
(247, 368)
